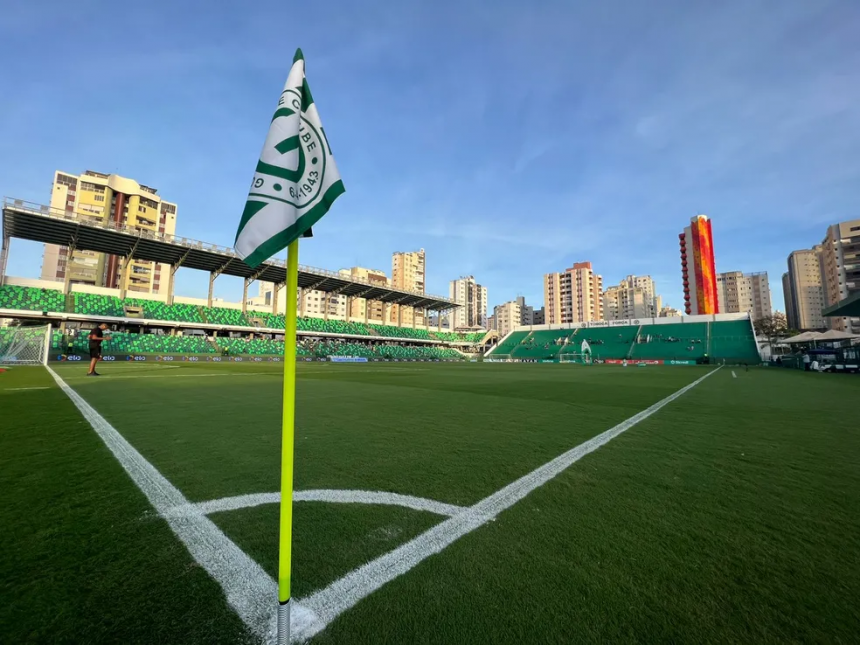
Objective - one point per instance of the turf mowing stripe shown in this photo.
(343, 594)
(250, 591)
(327, 495)
(190, 375)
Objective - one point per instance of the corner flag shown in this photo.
(296, 180)
(295, 183)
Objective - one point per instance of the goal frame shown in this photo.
(499, 358)
(575, 357)
(10, 350)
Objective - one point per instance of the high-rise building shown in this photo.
(739, 292)
(804, 294)
(375, 308)
(698, 267)
(539, 316)
(669, 312)
(789, 302)
(114, 200)
(574, 295)
(407, 273)
(633, 298)
(510, 315)
(472, 299)
(840, 269)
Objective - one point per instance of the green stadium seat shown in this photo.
(93, 304)
(734, 341)
(224, 316)
(156, 310)
(678, 341)
(31, 299)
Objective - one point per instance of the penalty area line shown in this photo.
(250, 591)
(343, 594)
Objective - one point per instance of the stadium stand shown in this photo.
(224, 316)
(177, 312)
(392, 331)
(726, 340)
(128, 343)
(542, 344)
(607, 342)
(254, 347)
(31, 299)
(510, 342)
(733, 342)
(674, 342)
(331, 326)
(93, 304)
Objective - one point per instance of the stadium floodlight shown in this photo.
(25, 345)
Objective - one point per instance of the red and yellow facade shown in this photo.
(698, 267)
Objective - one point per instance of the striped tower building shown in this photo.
(697, 267)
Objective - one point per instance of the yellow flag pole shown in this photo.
(287, 440)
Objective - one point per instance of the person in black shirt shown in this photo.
(96, 338)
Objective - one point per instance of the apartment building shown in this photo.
(840, 269)
(111, 200)
(472, 298)
(408, 272)
(633, 298)
(575, 295)
(739, 292)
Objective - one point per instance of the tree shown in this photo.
(772, 327)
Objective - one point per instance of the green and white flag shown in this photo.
(296, 180)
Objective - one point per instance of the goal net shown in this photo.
(25, 345)
(575, 357)
(498, 358)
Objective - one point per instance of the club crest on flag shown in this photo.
(296, 179)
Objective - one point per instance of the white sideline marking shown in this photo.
(250, 591)
(734, 375)
(19, 389)
(343, 594)
(327, 495)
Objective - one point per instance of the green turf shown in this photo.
(731, 515)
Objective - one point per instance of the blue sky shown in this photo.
(506, 139)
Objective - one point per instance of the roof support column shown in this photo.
(123, 276)
(275, 289)
(325, 304)
(212, 277)
(414, 316)
(245, 284)
(4, 256)
(366, 305)
(171, 280)
(70, 251)
(302, 295)
(439, 318)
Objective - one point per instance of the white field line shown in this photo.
(333, 496)
(343, 594)
(250, 591)
(21, 389)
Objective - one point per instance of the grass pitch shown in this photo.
(732, 514)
